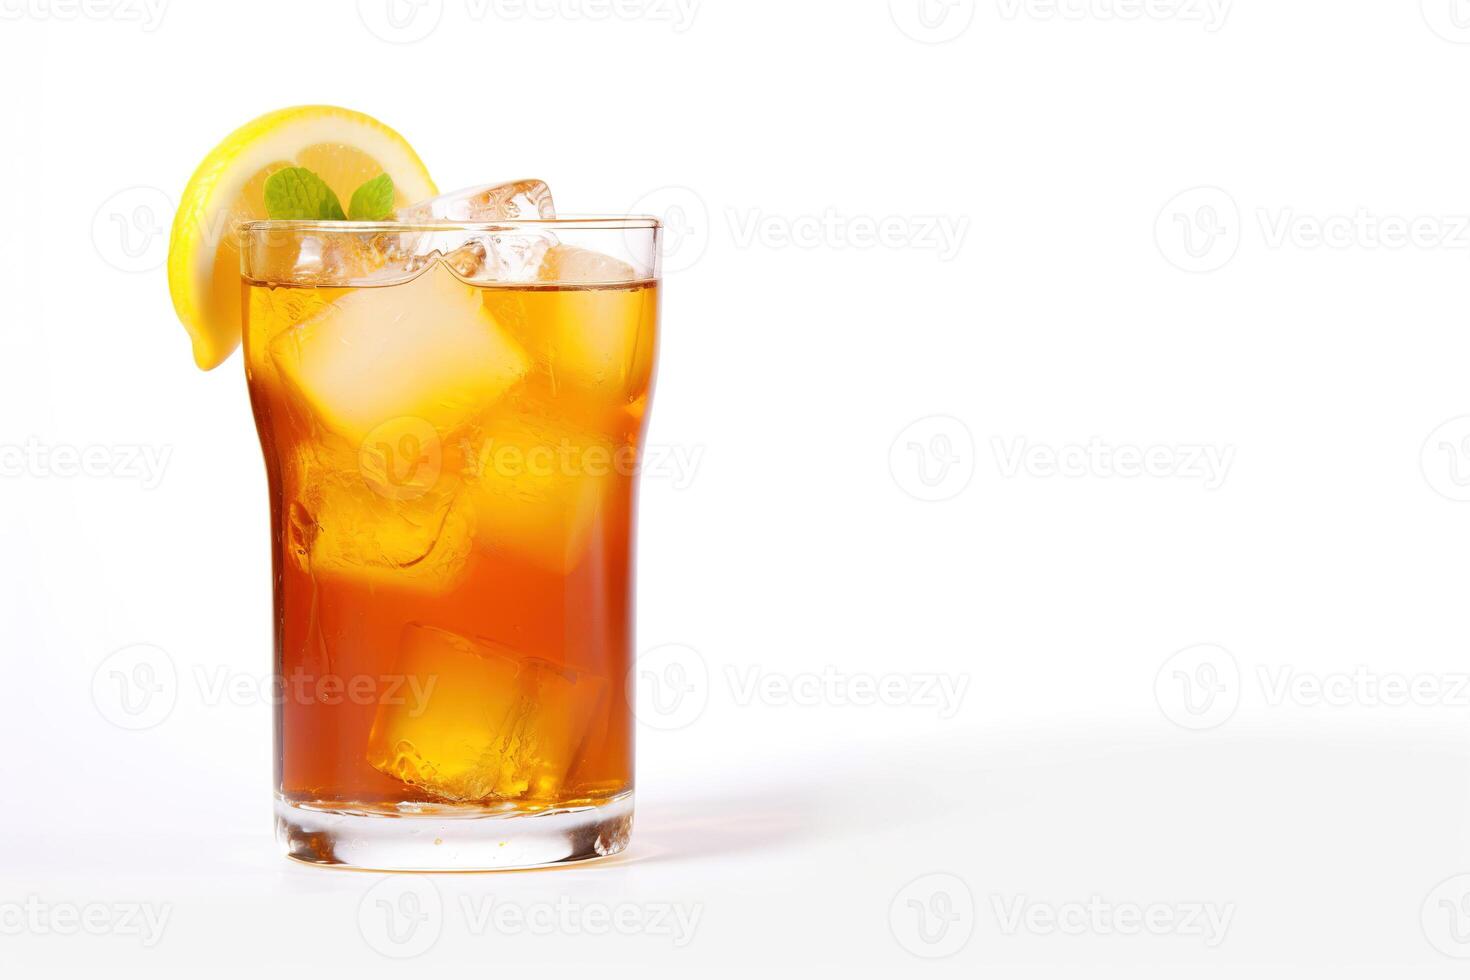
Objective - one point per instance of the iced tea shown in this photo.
(452, 463)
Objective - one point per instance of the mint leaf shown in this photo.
(298, 194)
(373, 201)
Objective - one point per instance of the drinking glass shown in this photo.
(451, 416)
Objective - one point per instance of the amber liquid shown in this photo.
(452, 474)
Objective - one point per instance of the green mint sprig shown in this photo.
(297, 194)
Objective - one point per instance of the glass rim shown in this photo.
(583, 222)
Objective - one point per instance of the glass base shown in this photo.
(449, 838)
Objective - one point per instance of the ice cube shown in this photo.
(425, 349)
(538, 486)
(598, 340)
(509, 255)
(494, 257)
(488, 202)
(394, 512)
(339, 258)
(481, 723)
(570, 264)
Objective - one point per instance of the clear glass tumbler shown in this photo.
(451, 417)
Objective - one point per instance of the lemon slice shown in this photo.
(343, 147)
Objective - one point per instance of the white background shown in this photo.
(1232, 682)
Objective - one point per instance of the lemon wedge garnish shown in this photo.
(343, 147)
